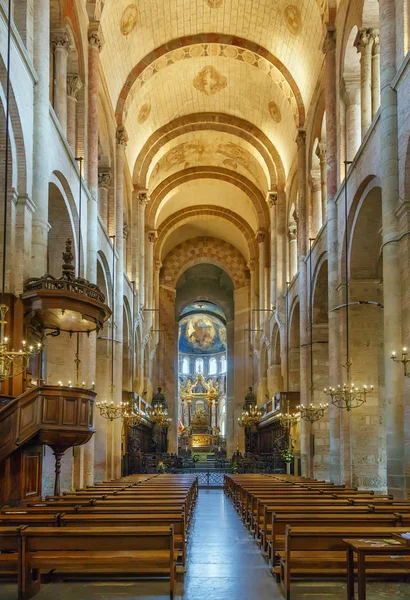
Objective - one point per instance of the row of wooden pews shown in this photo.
(136, 527)
(300, 524)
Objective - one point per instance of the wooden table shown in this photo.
(363, 548)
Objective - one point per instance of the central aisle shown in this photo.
(223, 560)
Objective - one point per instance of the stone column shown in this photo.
(273, 201)
(260, 238)
(152, 237)
(293, 249)
(104, 180)
(316, 202)
(252, 273)
(94, 47)
(330, 87)
(303, 295)
(391, 251)
(321, 154)
(281, 255)
(158, 266)
(352, 102)
(142, 203)
(74, 85)
(364, 45)
(61, 46)
(41, 136)
(375, 72)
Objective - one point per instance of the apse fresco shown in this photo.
(202, 334)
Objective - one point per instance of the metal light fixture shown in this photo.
(312, 412)
(287, 420)
(132, 418)
(111, 410)
(13, 362)
(158, 413)
(347, 395)
(404, 360)
(251, 414)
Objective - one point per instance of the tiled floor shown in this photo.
(223, 564)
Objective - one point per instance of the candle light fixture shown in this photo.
(347, 395)
(404, 360)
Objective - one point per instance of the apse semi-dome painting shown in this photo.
(201, 334)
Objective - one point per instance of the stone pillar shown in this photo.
(142, 203)
(149, 275)
(121, 143)
(104, 180)
(293, 249)
(303, 295)
(315, 203)
(273, 201)
(61, 47)
(252, 273)
(321, 154)
(41, 136)
(260, 238)
(281, 255)
(391, 252)
(330, 87)
(352, 102)
(375, 72)
(158, 266)
(74, 85)
(364, 44)
(94, 47)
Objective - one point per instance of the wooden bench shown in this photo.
(321, 552)
(131, 551)
(9, 550)
(139, 519)
(276, 537)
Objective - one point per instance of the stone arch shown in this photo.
(294, 346)
(195, 213)
(164, 188)
(217, 122)
(204, 250)
(104, 277)
(149, 61)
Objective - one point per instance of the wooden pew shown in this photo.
(9, 549)
(321, 552)
(276, 539)
(115, 551)
(151, 519)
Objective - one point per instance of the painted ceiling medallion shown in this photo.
(210, 81)
(144, 113)
(130, 18)
(293, 19)
(274, 111)
(214, 3)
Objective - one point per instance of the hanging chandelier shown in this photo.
(13, 362)
(287, 420)
(312, 412)
(404, 360)
(251, 414)
(132, 418)
(111, 410)
(158, 413)
(347, 395)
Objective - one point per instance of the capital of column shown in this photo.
(272, 199)
(95, 39)
(363, 39)
(252, 265)
(143, 197)
(121, 136)
(321, 151)
(60, 40)
(292, 232)
(260, 237)
(152, 236)
(376, 40)
(158, 265)
(329, 43)
(104, 177)
(301, 138)
(74, 85)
